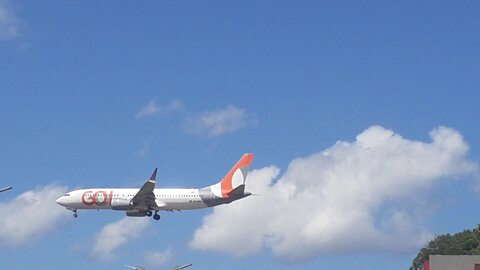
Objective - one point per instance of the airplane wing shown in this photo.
(135, 267)
(5, 189)
(178, 267)
(145, 198)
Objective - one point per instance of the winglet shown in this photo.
(154, 175)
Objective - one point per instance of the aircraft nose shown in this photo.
(61, 201)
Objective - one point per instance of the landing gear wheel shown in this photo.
(148, 213)
(75, 215)
(156, 216)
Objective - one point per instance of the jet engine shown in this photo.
(135, 213)
(120, 204)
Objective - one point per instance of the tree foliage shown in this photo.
(462, 243)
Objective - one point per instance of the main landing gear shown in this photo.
(149, 213)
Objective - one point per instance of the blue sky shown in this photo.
(97, 94)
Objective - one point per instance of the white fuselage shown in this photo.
(102, 198)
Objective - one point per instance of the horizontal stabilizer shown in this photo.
(238, 191)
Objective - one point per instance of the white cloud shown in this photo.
(242, 224)
(217, 122)
(9, 23)
(159, 258)
(142, 152)
(112, 236)
(152, 108)
(31, 215)
(356, 196)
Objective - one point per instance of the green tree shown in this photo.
(462, 243)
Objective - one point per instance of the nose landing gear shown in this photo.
(75, 215)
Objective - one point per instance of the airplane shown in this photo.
(148, 199)
(5, 189)
(178, 267)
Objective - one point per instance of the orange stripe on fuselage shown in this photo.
(226, 182)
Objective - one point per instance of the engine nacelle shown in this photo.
(135, 213)
(120, 204)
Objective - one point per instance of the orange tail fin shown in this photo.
(235, 178)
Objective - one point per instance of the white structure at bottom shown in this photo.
(453, 262)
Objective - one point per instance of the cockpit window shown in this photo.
(68, 194)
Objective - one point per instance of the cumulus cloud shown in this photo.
(218, 122)
(142, 152)
(355, 197)
(152, 108)
(9, 23)
(112, 236)
(31, 215)
(159, 258)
